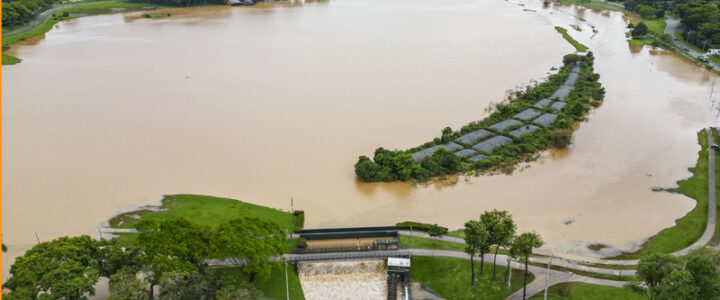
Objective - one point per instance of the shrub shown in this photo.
(560, 137)
(417, 226)
(299, 220)
(302, 243)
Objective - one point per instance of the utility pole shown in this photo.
(547, 277)
(287, 287)
(36, 237)
(509, 271)
(292, 211)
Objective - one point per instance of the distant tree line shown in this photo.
(169, 254)
(393, 165)
(183, 2)
(700, 18)
(18, 12)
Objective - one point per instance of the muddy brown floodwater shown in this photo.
(262, 103)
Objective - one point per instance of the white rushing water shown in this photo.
(359, 279)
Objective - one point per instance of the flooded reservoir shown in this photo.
(262, 103)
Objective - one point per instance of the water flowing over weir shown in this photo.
(357, 279)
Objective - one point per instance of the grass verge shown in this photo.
(579, 47)
(586, 273)
(689, 228)
(594, 4)
(274, 286)
(450, 278)
(10, 60)
(586, 291)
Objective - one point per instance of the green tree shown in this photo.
(702, 266)
(652, 270)
(65, 268)
(437, 231)
(174, 245)
(678, 285)
(125, 285)
(476, 240)
(640, 30)
(523, 246)
(250, 243)
(501, 229)
(446, 136)
(560, 137)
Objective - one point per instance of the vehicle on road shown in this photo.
(703, 58)
(686, 49)
(715, 147)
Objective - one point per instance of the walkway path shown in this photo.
(44, 16)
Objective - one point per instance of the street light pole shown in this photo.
(287, 287)
(547, 277)
(509, 272)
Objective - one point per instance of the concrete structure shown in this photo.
(473, 137)
(492, 143)
(528, 114)
(505, 124)
(422, 154)
(525, 130)
(546, 119)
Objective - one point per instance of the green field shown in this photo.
(690, 227)
(634, 42)
(274, 286)
(204, 210)
(656, 26)
(10, 60)
(585, 291)
(579, 47)
(429, 243)
(450, 278)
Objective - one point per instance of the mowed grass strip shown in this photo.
(450, 278)
(430, 243)
(689, 228)
(579, 47)
(586, 291)
(274, 286)
(656, 26)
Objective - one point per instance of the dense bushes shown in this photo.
(560, 137)
(299, 218)
(388, 165)
(19, 12)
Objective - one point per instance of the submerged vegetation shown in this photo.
(393, 165)
(579, 47)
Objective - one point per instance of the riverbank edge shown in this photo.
(50, 21)
(690, 227)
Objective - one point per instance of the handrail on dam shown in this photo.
(346, 255)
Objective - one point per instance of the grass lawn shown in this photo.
(274, 286)
(460, 233)
(586, 291)
(430, 243)
(579, 47)
(10, 60)
(690, 227)
(595, 4)
(656, 26)
(635, 42)
(204, 210)
(450, 278)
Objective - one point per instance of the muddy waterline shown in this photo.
(262, 103)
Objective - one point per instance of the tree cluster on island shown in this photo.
(170, 254)
(398, 165)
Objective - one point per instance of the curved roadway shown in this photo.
(43, 16)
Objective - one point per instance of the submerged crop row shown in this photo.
(533, 119)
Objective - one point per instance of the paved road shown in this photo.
(42, 17)
(673, 26)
